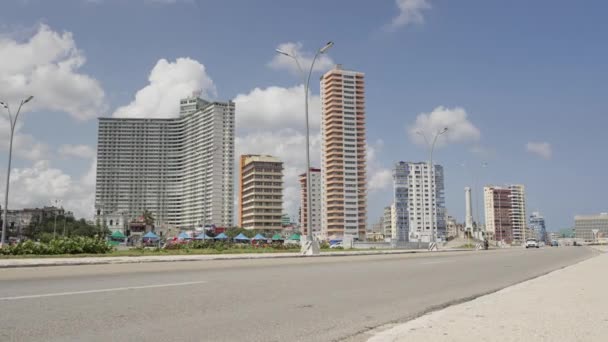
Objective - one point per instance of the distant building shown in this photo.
(343, 156)
(553, 236)
(285, 220)
(376, 231)
(315, 201)
(585, 225)
(537, 223)
(505, 212)
(19, 219)
(419, 201)
(453, 228)
(387, 222)
(261, 194)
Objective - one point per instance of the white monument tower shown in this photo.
(468, 219)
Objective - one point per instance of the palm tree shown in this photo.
(148, 218)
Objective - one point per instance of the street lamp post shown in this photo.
(56, 212)
(10, 155)
(432, 178)
(307, 248)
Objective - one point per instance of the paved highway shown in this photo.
(312, 299)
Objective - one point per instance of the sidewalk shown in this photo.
(570, 304)
(32, 262)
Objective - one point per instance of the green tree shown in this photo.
(44, 230)
(148, 218)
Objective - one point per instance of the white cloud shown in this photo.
(483, 151)
(24, 145)
(279, 61)
(410, 12)
(41, 184)
(168, 83)
(77, 151)
(378, 176)
(381, 180)
(460, 129)
(46, 66)
(541, 149)
(276, 107)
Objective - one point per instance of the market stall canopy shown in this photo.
(151, 236)
(118, 235)
(259, 237)
(294, 237)
(183, 235)
(221, 236)
(241, 237)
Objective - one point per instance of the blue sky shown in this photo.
(520, 71)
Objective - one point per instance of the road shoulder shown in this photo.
(565, 305)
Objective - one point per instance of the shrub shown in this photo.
(76, 245)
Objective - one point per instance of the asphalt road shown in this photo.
(312, 299)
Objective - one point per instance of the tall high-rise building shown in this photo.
(261, 194)
(344, 194)
(418, 209)
(537, 224)
(505, 212)
(519, 219)
(315, 201)
(180, 169)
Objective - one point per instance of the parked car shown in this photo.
(554, 243)
(336, 245)
(532, 243)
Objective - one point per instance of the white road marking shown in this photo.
(57, 294)
(435, 262)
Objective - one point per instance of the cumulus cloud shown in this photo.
(168, 83)
(46, 65)
(483, 151)
(276, 107)
(410, 12)
(460, 129)
(41, 184)
(541, 149)
(24, 145)
(378, 176)
(279, 61)
(77, 151)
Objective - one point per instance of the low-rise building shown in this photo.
(591, 227)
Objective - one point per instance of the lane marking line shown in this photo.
(58, 294)
(436, 262)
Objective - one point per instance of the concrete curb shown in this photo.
(16, 263)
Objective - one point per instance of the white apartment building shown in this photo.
(180, 169)
(343, 157)
(315, 202)
(419, 202)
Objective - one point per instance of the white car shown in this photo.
(531, 243)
